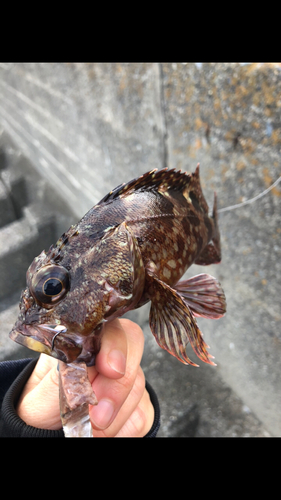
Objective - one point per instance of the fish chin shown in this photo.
(47, 339)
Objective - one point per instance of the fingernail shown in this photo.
(117, 361)
(101, 414)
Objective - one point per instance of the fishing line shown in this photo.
(251, 200)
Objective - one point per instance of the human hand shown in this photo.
(124, 407)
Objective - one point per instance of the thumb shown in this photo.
(39, 402)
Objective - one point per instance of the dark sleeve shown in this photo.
(13, 377)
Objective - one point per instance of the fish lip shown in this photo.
(24, 338)
(45, 338)
(40, 338)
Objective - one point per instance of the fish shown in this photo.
(130, 248)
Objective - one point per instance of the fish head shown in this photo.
(53, 318)
(69, 297)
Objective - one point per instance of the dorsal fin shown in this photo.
(163, 180)
(194, 191)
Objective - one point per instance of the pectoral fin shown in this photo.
(204, 296)
(122, 267)
(173, 324)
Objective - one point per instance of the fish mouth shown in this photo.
(48, 339)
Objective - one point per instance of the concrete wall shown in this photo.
(89, 127)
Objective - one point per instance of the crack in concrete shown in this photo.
(164, 117)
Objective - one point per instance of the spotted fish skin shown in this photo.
(130, 248)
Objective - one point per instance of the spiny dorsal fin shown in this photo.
(163, 180)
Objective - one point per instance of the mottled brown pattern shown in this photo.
(132, 247)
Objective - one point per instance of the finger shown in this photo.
(140, 421)
(111, 360)
(43, 366)
(135, 417)
(39, 406)
(111, 394)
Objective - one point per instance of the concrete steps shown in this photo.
(20, 242)
(31, 219)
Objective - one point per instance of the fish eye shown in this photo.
(52, 287)
(50, 284)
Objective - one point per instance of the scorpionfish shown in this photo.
(130, 248)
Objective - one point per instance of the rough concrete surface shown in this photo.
(88, 127)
